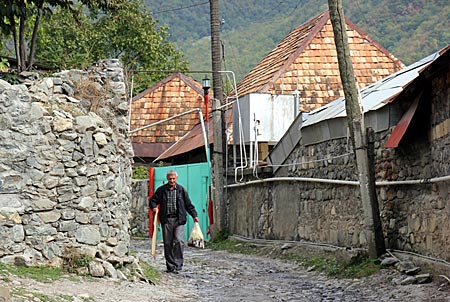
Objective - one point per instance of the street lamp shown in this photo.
(206, 83)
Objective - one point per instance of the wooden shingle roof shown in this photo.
(172, 96)
(306, 60)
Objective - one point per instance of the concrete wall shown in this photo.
(415, 217)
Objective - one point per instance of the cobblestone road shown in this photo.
(224, 277)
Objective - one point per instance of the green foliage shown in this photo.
(150, 273)
(129, 33)
(220, 236)
(410, 30)
(140, 172)
(76, 261)
(232, 246)
(10, 77)
(21, 20)
(4, 64)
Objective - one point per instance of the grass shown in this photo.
(150, 272)
(321, 262)
(221, 241)
(42, 274)
(23, 293)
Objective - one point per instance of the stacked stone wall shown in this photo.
(65, 167)
(139, 208)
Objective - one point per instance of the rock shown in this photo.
(96, 269)
(423, 278)
(51, 216)
(404, 266)
(84, 123)
(121, 249)
(23, 260)
(86, 203)
(42, 204)
(100, 139)
(88, 234)
(18, 233)
(412, 271)
(4, 293)
(408, 280)
(286, 246)
(349, 256)
(103, 251)
(110, 270)
(62, 124)
(121, 276)
(389, 261)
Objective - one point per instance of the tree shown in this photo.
(129, 33)
(19, 15)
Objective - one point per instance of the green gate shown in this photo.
(196, 179)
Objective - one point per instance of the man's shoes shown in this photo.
(172, 271)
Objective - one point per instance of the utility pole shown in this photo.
(375, 239)
(218, 167)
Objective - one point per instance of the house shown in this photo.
(171, 97)
(305, 62)
(313, 194)
(299, 75)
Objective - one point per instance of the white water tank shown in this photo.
(269, 115)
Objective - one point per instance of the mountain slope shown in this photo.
(408, 29)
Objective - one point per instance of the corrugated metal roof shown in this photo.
(374, 96)
(330, 120)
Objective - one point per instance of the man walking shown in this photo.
(174, 202)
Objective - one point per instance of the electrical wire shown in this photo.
(179, 8)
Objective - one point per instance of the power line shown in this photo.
(179, 8)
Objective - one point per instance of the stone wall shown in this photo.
(139, 208)
(415, 217)
(65, 166)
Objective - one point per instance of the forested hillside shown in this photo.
(410, 29)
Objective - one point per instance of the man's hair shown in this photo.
(172, 172)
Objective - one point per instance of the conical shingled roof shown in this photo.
(306, 60)
(174, 95)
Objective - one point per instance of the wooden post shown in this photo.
(379, 238)
(218, 130)
(356, 124)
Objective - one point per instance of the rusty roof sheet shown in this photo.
(172, 96)
(306, 60)
(193, 139)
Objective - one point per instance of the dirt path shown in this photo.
(221, 276)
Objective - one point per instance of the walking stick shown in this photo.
(155, 229)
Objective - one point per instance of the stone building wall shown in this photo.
(139, 208)
(65, 166)
(414, 217)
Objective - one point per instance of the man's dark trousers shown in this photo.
(173, 244)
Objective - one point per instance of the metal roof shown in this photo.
(329, 121)
(374, 96)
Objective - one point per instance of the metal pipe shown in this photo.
(344, 182)
(205, 137)
(304, 179)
